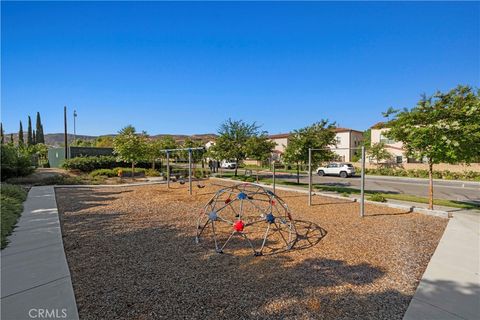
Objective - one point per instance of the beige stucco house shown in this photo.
(345, 137)
(394, 147)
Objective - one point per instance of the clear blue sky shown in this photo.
(185, 67)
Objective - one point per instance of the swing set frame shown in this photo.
(169, 151)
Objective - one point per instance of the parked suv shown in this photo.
(343, 170)
(228, 164)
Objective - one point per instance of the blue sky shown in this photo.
(170, 67)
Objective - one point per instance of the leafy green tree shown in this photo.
(232, 140)
(11, 140)
(104, 142)
(34, 137)
(130, 146)
(21, 142)
(443, 128)
(40, 138)
(197, 155)
(29, 132)
(259, 147)
(153, 150)
(378, 152)
(319, 135)
(82, 143)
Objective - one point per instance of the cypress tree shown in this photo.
(21, 142)
(34, 137)
(29, 132)
(40, 138)
(11, 139)
(1, 132)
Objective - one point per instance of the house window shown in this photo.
(399, 159)
(339, 140)
(386, 140)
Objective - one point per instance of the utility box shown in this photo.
(56, 156)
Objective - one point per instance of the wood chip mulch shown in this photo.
(132, 255)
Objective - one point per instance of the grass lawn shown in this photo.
(12, 198)
(346, 190)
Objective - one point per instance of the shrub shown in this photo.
(14, 162)
(377, 197)
(104, 172)
(11, 198)
(152, 173)
(13, 191)
(88, 164)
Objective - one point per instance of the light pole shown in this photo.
(74, 126)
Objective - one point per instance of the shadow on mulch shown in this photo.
(85, 198)
(147, 266)
(160, 272)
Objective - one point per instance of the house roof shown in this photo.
(279, 136)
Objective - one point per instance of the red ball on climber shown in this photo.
(238, 225)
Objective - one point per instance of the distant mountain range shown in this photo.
(57, 139)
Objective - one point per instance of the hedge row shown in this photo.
(88, 164)
(421, 173)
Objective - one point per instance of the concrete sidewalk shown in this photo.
(34, 272)
(450, 286)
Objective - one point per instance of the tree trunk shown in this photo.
(133, 170)
(298, 173)
(430, 187)
(153, 164)
(236, 167)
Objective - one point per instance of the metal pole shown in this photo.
(309, 176)
(65, 133)
(274, 177)
(74, 126)
(168, 169)
(362, 193)
(190, 170)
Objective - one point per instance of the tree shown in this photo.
(378, 152)
(34, 138)
(197, 155)
(2, 137)
(130, 146)
(11, 140)
(319, 135)
(29, 132)
(443, 128)
(154, 147)
(233, 136)
(21, 143)
(40, 138)
(259, 147)
(104, 142)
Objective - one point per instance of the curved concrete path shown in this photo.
(34, 272)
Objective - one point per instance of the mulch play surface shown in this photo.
(132, 255)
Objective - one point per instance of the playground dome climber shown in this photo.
(248, 212)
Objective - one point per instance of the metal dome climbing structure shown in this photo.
(249, 212)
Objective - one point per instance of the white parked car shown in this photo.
(343, 170)
(228, 164)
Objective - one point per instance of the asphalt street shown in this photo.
(443, 189)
